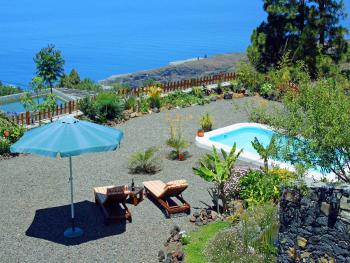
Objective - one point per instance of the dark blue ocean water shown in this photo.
(102, 38)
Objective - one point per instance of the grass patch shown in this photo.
(199, 239)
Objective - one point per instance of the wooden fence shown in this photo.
(28, 118)
(182, 84)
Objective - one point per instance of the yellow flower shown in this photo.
(154, 91)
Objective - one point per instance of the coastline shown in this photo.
(180, 70)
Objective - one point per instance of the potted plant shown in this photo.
(178, 143)
(200, 133)
(206, 122)
(181, 157)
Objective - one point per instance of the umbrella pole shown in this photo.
(71, 192)
(73, 231)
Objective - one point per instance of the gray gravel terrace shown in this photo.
(34, 207)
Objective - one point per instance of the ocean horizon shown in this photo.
(100, 39)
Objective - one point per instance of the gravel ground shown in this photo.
(34, 195)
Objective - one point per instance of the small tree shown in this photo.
(69, 81)
(33, 103)
(49, 64)
(74, 77)
(215, 169)
(265, 152)
(316, 124)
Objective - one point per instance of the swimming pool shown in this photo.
(243, 134)
(17, 106)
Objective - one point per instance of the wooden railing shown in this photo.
(28, 118)
(182, 84)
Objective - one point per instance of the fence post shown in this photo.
(22, 118)
(27, 117)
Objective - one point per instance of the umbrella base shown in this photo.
(69, 233)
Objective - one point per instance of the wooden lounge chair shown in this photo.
(164, 194)
(112, 200)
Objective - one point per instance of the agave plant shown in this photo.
(145, 161)
(215, 169)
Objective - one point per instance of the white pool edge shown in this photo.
(206, 143)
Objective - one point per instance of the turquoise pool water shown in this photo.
(17, 106)
(244, 137)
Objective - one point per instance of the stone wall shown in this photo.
(315, 224)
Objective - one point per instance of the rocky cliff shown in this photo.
(179, 71)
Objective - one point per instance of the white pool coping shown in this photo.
(206, 143)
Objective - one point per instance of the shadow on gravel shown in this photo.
(166, 215)
(50, 223)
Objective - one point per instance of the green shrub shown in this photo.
(266, 88)
(250, 241)
(87, 106)
(185, 239)
(248, 77)
(144, 105)
(145, 162)
(109, 106)
(198, 92)
(4, 146)
(183, 99)
(15, 131)
(130, 103)
(258, 187)
(206, 122)
(8, 90)
(235, 85)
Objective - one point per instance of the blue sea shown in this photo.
(103, 38)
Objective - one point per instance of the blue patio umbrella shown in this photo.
(68, 137)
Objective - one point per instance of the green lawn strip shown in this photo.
(199, 239)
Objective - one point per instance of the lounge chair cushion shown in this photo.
(102, 191)
(177, 183)
(116, 189)
(156, 187)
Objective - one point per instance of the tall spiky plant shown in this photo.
(176, 140)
